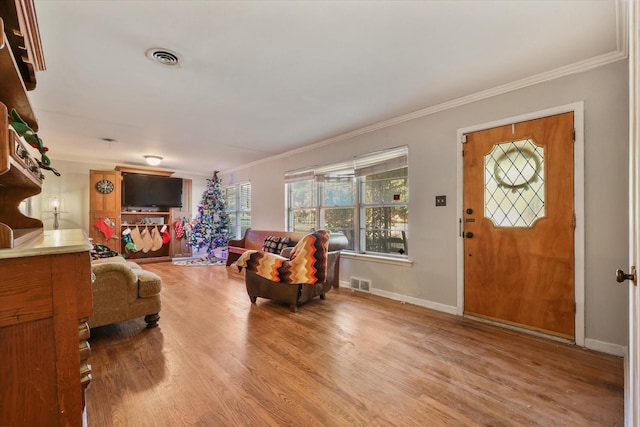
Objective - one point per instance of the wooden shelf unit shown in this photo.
(45, 290)
(13, 91)
(20, 175)
(110, 206)
(147, 220)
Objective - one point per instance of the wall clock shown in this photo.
(105, 186)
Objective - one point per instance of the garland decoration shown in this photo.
(25, 131)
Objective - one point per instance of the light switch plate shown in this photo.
(441, 200)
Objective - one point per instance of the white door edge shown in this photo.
(632, 360)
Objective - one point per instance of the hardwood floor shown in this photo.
(354, 359)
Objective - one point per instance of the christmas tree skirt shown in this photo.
(201, 262)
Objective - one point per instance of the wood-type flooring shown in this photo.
(354, 359)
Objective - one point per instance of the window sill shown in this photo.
(377, 259)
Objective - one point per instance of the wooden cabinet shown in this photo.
(106, 204)
(104, 199)
(180, 248)
(147, 223)
(20, 56)
(20, 177)
(45, 277)
(45, 300)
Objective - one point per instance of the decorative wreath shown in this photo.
(528, 154)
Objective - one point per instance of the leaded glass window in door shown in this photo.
(514, 187)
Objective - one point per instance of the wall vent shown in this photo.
(362, 284)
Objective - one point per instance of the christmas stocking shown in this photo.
(156, 239)
(104, 228)
(188, 228)
(147, 242)
(136, 238)
(126, 236)
(166, 237)
(177, 226)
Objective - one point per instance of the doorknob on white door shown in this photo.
(621, 276)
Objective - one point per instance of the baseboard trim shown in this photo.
(405, 299)
(589, 343)
(606, 347)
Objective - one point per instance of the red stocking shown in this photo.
(104, 228)
(177, 226)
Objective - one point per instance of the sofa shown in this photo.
(123, 290)
(254, 239)
(277, 278)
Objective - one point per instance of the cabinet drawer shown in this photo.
(25, 291)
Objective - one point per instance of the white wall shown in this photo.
(431, 278)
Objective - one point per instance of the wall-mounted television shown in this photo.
(140, 190)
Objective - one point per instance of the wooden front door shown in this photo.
(519, 225)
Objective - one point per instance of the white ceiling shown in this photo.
(259, 78)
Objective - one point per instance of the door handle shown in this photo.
(621, 276)
(468, 235)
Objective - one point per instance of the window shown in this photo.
(303, 204)
(239, 208)
(366, 198)
(514, 184)
(385, 211)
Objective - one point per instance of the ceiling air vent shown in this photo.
(164, 57)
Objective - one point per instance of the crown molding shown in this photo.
(621, 53)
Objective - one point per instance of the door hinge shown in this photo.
(573, 221)
(574, 135)
(574, 308)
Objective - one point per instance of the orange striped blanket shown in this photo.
(308, 263)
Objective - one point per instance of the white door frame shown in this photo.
(578, 164)
(632, 361)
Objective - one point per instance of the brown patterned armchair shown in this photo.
(312, 271)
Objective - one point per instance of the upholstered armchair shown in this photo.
(311, 271)
(122, 291)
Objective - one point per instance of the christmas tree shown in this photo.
(210, 228)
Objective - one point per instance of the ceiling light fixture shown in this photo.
(163, 56)
(153, 160)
